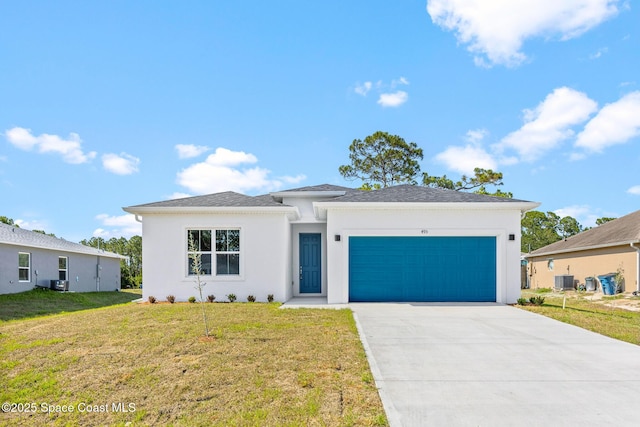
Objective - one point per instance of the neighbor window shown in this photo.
(228, 252)
(24, 267)
(62, 268)
(199, 251)
(550, 264)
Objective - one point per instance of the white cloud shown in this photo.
(476, 135)
(400, 81)
(33, 224)
(573, 211)
(223, 171)
(117, 226)
(293, 179)
(395, 99)
(598, 53)
(635, 190)
(122, 164)
(494, 31)
(226, 157)
(70, 149)
(101, 232)
(363, 89)
(584, 214)
(187, 151)
(549, 123)
(386, 95)
(466, 159)
(615, 123)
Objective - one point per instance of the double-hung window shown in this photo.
(62, 268)
(214, 252)
(24, 267)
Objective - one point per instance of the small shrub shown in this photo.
(192, 299)
(231, 297)
(270, 297)
(152, 299)
(522, 301)
(171, 298)
(211, 298)
(251, 298)
(537, 300)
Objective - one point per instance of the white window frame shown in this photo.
(27, 268)
(199, 250)
(226, 252)
(65, 269)
(213, 252)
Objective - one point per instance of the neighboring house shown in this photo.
(599, 251)
(403, 243)
(29, 259)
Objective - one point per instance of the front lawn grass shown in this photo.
(264, 366)
(42, 302)
(606, 320)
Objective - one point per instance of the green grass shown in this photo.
(43, 302)
(264, 366)
(606, 320)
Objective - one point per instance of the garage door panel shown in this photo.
(422, 268)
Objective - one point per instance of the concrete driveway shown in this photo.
(495, 365)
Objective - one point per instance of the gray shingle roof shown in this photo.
(20, 237)
(396, 194)
(322, 187)
(225, 199)
(623, 230)
(419, 194)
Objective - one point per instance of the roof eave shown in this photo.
(291, 211)
(321, 207)
(74, 251)
(583, 248)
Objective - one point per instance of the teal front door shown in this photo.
(310, 263)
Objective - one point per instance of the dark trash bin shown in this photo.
(608, 284)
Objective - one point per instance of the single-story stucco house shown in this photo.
(29, 259)
(402, 243)
(596, 252)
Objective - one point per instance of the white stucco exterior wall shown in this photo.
(82, 270)
(405, 221)
(265, 254)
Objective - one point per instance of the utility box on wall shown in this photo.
(563, 282)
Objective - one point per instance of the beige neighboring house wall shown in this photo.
(592, 253)
(582, 264)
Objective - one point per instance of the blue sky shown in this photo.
(111, 104)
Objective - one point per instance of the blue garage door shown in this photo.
(422, 269)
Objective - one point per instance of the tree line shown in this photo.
(382, 160)
(131, 268)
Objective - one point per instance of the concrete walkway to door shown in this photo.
(488, 364)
